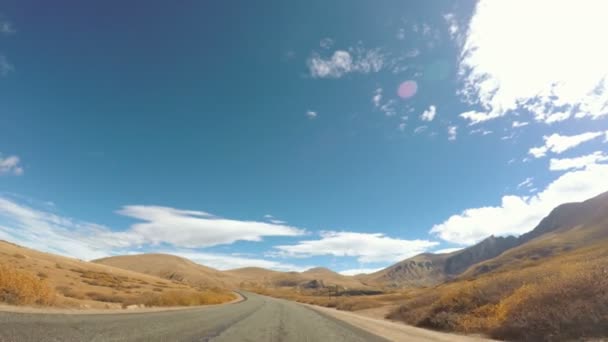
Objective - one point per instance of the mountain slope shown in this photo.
(171, 267)
(568, 226)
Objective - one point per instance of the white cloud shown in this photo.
(402, 126)
(47, 231)
(342, 62)
(356, 271)
(10, 165)
(578, 162)
(448, 250)
(195, 229)
(560, 143)
(517, 124)
(5, 66)
(377, 97)
(520, 214)
(366, 247)
(311, 114)
(452, 133)
(507, 67)
(429, 114)
(527, 183)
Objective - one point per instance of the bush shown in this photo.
(19, 288)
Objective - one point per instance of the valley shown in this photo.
(547, 282)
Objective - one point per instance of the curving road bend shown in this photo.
(258, 318)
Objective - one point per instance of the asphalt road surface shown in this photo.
(258, 319)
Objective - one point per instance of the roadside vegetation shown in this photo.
(559, 299)
(20, 287)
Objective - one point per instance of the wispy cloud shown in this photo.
(6, 27)
(557, 143)
(326, 43)
(311, 114)
(10, 165)
(452, 133)
(578, 162)
(526, 183)
(162, 227)
(420, 129)
(377, 98)
(5, 66)
(518, 124)
(366, 247)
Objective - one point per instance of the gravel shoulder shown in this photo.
(394, 331)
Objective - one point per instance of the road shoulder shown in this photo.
(393, 331)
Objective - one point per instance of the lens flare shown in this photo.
(407, 89)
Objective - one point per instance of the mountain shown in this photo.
(171, 267)
(568, 226)
(422, 270)
(431, 269)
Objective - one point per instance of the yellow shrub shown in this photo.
(19, 287)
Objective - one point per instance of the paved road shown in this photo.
(256, 319)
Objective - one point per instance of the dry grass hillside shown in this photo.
(34, 278)
(172, 268)
(553, 287)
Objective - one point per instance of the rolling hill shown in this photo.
(171, 267)
(72, 283)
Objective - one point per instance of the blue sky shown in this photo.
(246, 135)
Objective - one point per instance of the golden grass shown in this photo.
(181, 298)
(20, 287)
(564, 297)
